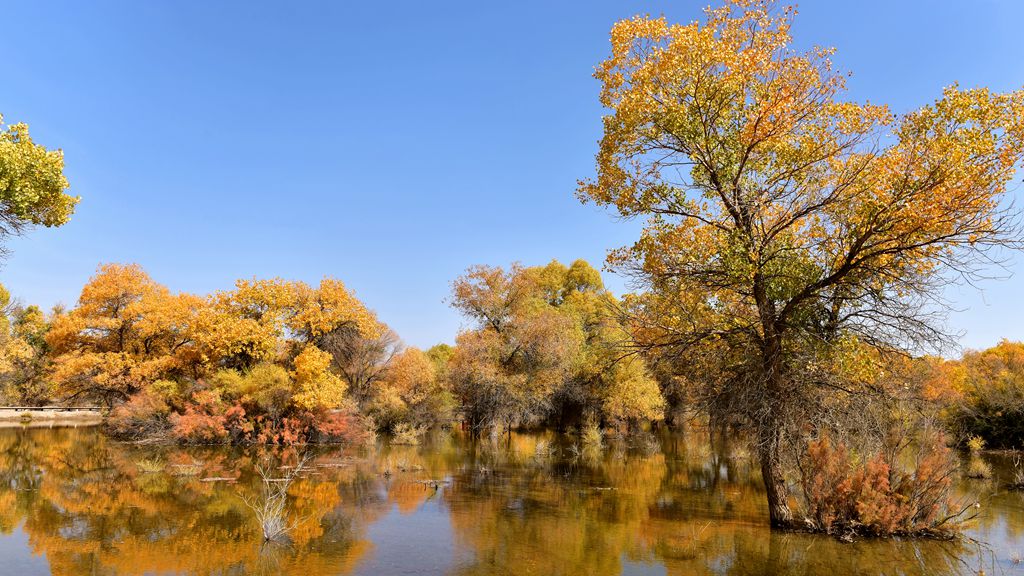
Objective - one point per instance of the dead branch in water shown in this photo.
(270, 507)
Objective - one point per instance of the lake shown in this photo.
(73, 502)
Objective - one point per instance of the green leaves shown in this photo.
(32, 183)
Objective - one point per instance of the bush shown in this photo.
(196, 426)
(407, 434)
(207, 420)
(872, 496)
(591, 436)
(978, 469)
(144, 415)
(975, 444)
(340, 426)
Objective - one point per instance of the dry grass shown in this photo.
(407, 434)
(150, 465)
(978, 469)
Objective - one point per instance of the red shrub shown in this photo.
(337, 426)
(330, 426)
(286, 432)
(196, 426)
(874, 497)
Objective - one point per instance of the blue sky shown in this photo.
(390, 144)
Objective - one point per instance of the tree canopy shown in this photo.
(546, 343)
(32, 183)
(787, 226)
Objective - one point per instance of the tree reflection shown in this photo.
(86, 504)
(525, 504)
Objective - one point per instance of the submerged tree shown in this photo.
(789, 231)
(545, 344)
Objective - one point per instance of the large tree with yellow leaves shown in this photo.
(785, 224)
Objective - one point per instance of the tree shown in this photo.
(239, 365)
(991, 394)
(126, 331)
(361, 358)
(32, 183)
(15, 351)
(545, 345)
(412, 392)
(23, 354)
(521, 350)
(784, 223)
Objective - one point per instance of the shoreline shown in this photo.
(42, 416)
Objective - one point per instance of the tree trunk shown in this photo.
(768, 449)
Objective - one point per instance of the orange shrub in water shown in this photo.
(207, 420)
(339, 426)
(334, 426)
(874, 496)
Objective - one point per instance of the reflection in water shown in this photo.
(528, 504)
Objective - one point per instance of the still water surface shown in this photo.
(73, 503)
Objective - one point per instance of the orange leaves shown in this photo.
(127, 332)
(321, 310)
(873, 496)
(412, 375)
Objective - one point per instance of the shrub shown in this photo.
(144, 415)
(207, 420)
(975, 444)
(978, 469)
(340, 426)
(286, 432)
(406, 434)
(873, 496)
(591, 436)
(196, 426)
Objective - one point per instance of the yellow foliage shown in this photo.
(128, 332)
(32, 182)
(316, 386)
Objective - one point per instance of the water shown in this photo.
(73, 502)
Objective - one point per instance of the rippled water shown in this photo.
(73, 502)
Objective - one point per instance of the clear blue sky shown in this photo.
(389, 144)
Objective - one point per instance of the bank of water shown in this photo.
(74, 502)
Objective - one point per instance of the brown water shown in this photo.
(73, 502)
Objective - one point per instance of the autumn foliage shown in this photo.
(873, 495)
(546, 344)
(235, 366)
(783, 221)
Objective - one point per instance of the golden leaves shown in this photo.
(755, 175)
(127, 332)
(316, 386)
